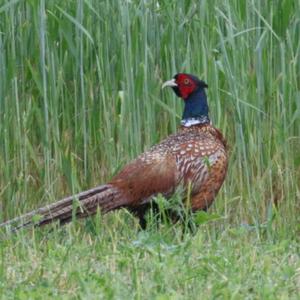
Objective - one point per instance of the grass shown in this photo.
(80, 96)
(119, 263)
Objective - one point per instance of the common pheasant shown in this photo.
(195, 157)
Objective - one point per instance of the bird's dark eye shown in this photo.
(186, 81)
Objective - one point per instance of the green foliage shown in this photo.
(202, 217)
(80, 95)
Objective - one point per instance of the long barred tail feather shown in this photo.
(105, 197)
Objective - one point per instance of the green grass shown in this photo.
(80, 95)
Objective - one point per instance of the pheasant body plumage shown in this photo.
(195, 154)
(195, 157)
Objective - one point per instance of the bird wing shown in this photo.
(148, 175)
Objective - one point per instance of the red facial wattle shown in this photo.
(185, 85)
(186, 90)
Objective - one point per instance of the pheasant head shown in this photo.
(192, 90)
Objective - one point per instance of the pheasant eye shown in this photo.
(186, 81)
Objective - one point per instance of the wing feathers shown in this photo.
(145, 177)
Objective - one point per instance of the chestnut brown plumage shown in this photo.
(195, 156)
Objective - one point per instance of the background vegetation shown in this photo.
(80, 95)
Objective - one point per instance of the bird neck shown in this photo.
(195, 109)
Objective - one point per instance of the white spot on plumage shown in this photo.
(214, 157)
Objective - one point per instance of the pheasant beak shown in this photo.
(170, 83)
